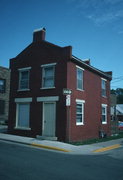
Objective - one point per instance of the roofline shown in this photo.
(92, 68)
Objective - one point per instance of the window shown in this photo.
(2, 85)
(24, 78)
(22, 116)
(104, 87)
(79, 112)
(48, 76)
(79, 78)
(104, 113)
(2, 107)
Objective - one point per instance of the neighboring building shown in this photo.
(118, 110)
(39, 75)
(4, 94)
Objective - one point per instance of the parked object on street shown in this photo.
(120, 126)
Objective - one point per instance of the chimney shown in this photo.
(39, 35)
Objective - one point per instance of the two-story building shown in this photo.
(55, 95)
(4, 94)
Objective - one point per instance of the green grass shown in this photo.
(92, 141)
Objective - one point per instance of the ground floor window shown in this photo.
(104, 113)
(2, 107)
(22, 116)
(79, 112)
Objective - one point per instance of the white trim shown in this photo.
(23, 100)
(48, 98)
(103, 79)
(23, 69)
(104, 105)
(47, 87)
(80, 101)
(22, 128)
(79, 67)
(51, 64)
(23, 90)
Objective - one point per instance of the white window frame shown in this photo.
(81, 102)
(20, 71)
(105, 114)
(43, 75)
(79, 68)
(103, 89)
(19, 101)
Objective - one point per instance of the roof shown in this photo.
(104, 74)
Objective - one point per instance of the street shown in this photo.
(21, 162)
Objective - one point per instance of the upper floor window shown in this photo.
(24, 78)
(104, 87)
(2, 85)
(104, 113)
(79, 78)
(48, 75)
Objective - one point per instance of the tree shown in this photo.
(119, 94)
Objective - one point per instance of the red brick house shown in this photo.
(39, 75)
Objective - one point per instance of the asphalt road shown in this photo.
(19, 162)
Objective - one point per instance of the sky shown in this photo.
(94, 29)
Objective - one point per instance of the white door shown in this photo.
(49, 119)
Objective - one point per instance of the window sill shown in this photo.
(104, 122)
(47, 88)
(23, 90)
(104, 96)
(79, 124)
(80, 90)
(22, 128)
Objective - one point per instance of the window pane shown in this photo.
(48, 76)
(49, 72)
(24, 80)
(103, 88)
(79, 118)
(23, 115)
(103, 118)
(79, 108)
(79, 78)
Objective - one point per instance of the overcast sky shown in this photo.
(94, 28)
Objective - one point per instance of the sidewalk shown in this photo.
(64, 147)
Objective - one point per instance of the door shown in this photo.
(49, 119)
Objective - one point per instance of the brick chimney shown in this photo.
(39, 35)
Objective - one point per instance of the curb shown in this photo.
(49, 147)
(37, 145)
(115, 146)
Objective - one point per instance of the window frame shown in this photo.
(104, 114)
(44, 78)
(3, 90)
(103, 90)
(80, 102)
(17, 126)
(82, 79)
(19, 101)
(27, 69)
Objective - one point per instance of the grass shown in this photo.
(92, 141)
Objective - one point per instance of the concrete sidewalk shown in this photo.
(64, 147)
